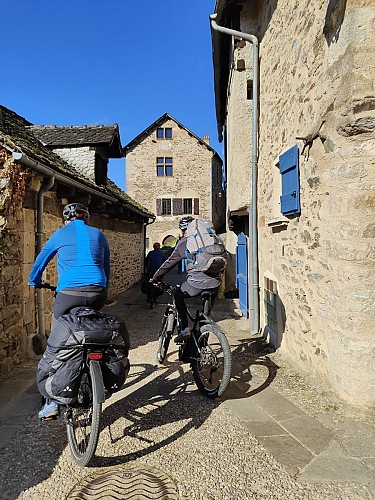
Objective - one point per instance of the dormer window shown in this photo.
(164, 133)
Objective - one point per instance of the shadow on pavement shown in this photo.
(165, 400)
(252, 370)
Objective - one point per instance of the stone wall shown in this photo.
(18, 195)
(316, 74)
(193, 169)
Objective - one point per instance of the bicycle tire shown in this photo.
(213, 366)
(165, 336)
(83, 422)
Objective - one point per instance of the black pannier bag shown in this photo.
(58, 372)
(145, 284)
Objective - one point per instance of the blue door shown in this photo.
(241, 273)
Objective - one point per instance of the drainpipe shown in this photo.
(49, 172)
(39, 244)
(253, 214)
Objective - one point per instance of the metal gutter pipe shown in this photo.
(29, 162)
(253, 213)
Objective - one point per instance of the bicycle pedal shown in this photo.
(48, 419)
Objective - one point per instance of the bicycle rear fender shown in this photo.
(96, 373)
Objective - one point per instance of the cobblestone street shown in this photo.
(272, 436)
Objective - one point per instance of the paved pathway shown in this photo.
(274, 434)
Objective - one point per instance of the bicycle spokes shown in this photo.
(212, 366)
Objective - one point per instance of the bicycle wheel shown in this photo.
(213, 365)
(165, 335)
(82, 423)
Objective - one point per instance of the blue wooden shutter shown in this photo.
(289, 170)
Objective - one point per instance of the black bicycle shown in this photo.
(207, 349)
(83, 417)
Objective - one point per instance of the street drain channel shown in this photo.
(128, 482)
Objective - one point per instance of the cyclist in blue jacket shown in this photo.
(83, 267)
(83, 262)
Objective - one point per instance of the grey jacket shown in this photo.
(196, 279)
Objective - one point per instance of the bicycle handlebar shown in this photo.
(48, 286)
(165, 286)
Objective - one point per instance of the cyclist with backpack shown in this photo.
(206, 259)
(83, 266)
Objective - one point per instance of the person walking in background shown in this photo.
(155, 258)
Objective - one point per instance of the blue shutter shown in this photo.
(289, 170)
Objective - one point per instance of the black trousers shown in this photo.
(87, 296)
(181, 294)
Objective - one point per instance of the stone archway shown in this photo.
(168, 239)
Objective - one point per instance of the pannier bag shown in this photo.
(205, 251)
(59, 370)
(145, 284)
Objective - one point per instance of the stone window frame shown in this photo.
(163, 166)
(164, 133)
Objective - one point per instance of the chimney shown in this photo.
(206, 139)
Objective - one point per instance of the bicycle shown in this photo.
(207, 349)
(82, 418)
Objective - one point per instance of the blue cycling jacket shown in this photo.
(83, 257)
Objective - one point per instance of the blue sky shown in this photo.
(87, 62)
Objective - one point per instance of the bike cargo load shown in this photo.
(59, 370)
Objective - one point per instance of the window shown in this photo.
(270, 303)
(164, 167)
(166, 208)
(164, 133)
(182, 206)
(188, 206)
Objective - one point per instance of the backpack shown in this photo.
(205, 251)
(59, 370)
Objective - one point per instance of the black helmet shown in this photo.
(76, 211)
(184, 222)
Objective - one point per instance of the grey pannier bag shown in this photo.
(59, 370)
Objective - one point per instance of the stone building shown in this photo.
(173, 172)
(35, 184)
(295, 101)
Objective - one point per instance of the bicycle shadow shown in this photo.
(141, 420)
(252, 369)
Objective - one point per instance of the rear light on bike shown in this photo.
(95, 355)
